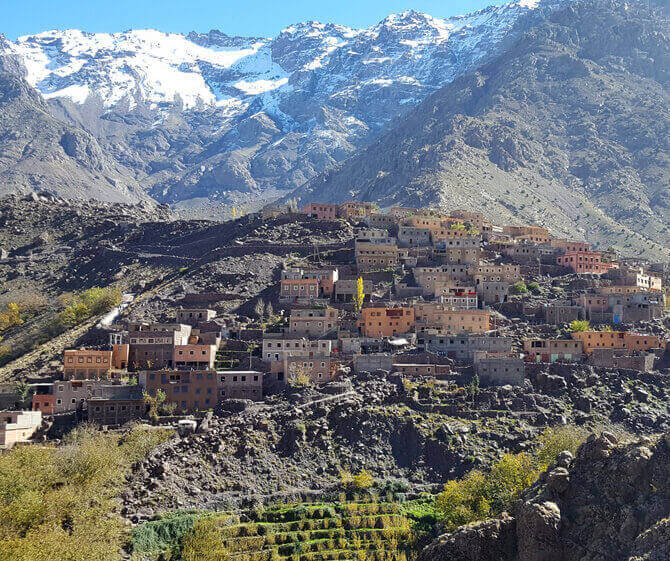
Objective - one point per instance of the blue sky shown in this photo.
(248, 17)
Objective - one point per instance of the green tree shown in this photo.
(473, 387)
(534, 287)
(154, 402)
(23, 390)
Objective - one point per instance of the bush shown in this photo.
(10, 316)
(204, 542)
(518, 288)
(158, 536)
(578, 326)
(57, 502)
(80, 307)
(553, 441)
(534, 287)
(363, 480)
(478, 495)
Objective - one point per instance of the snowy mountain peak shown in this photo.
(152, 68)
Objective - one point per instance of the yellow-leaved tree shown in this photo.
(360, 295)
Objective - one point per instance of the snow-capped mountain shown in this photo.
(210, 115)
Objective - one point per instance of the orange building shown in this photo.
(189, 390)
(120, 356)
(84, 364)
(583, 262)
(386, 322)
(322, 211)
(641, 342)
(616, 340)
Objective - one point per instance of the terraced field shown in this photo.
(355, 530)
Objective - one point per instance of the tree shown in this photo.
(473, 388)
(233, 213)
(269, 310)
(23, 391)
(259, 308)
(298, 374)
(360, 294)
(578, 326)
(250, 349)
(154, 402)
(534, 287)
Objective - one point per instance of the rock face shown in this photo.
(40, 152)
(568, 128)
(208, 115)
(613, 506)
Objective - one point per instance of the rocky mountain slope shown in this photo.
(568, 128)
(209, 116)
(37, 149)
(611, 502)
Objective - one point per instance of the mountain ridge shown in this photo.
(565, 128)
(242, 120)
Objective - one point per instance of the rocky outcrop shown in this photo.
(610, 503)
(40, 152)
(300, 442)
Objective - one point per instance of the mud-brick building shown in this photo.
(116, 405)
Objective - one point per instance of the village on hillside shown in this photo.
(449, 297)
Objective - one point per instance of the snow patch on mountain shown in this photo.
(155, 68)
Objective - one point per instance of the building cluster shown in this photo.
(424, 294)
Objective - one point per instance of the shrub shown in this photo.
(10, 316)
(518, 288)
(479, 495)
(80, 307)
(203, 542)
(363, 480)
(554, 440)
(57, 502)
(578, 326)
(534, 287)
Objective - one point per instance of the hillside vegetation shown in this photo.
(58, 501)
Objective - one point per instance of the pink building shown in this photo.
(322, 211)
(583, 262)
(195, 357)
